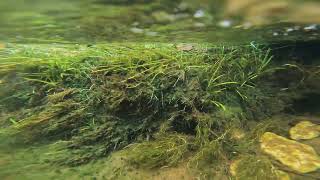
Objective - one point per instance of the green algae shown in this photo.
(158, 105)
(167, 150)
(256, 167)
(101, 99)
(70, 111)
(32, 162)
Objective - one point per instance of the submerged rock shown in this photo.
(136, 30)
(305, 130)
(297, 156)
(199, 14)
(225, 23)
(310, 27)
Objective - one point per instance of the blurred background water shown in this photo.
(215, 21)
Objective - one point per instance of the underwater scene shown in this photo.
(159, 90)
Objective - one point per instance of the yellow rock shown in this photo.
(305, 130)
(297, 156)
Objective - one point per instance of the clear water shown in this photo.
(65, 23)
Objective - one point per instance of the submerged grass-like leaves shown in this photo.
(168, 150)
(171, 105)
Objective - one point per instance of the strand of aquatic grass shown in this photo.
(185, 64)
(317, 72)
(141, 68)
(168, 150)
(164, 69)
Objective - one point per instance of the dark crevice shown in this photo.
(308, 103)
(301, 52)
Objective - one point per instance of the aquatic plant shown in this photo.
(166, 104)
(167, 150)
(256, 167)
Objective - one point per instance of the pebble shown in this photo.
(225, 23)
(275, 34)
(199, 14)
(310, 27)
(289, 29)
(136, 30)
